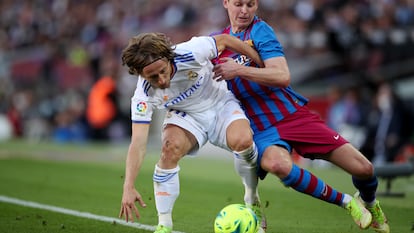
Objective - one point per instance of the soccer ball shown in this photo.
(236, 218)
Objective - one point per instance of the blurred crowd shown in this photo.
(61, 77)
(381, 126)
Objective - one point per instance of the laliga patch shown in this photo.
(142, 107)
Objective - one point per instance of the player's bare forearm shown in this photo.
(134, 160)
(272, 77)
(130, 195)
(136, 152)
(225, 41)
(274, 74)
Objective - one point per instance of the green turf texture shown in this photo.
(89, 178)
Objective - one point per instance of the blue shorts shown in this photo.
(265, 139)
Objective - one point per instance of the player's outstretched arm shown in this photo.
(135, 157)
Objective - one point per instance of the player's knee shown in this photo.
(280, 168)
(172, 151)
(365, 170)
(240, 143)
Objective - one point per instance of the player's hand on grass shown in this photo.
(128, 207)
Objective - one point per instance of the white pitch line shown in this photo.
(76, 213)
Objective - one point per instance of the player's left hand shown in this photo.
(128, 207)
(227, 69)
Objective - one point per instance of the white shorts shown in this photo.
(210, 125)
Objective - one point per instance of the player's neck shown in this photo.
(235, 29)
(238, 30)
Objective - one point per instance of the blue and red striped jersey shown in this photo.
(263, 105)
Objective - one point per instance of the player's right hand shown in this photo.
(128, 207)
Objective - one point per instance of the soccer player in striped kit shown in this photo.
(281, 121)
(179, 78)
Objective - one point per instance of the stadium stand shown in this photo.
(51, 51)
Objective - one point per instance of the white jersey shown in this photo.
(192, 89)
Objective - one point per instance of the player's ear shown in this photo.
(225, 3)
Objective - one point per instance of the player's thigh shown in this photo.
(351, 160)
(189, 127)
(239, 136)
(230, 126)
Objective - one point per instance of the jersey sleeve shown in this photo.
(141, 107)
(203, 47)
(266, 42)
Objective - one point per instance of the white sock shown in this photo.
(249, 154)
(166, 191)
(245, 165)
(346, 200)
(370, 204)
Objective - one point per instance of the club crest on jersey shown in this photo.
(249, 42)
(192, 75)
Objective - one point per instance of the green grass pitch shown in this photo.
(89, 178)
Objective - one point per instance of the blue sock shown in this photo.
(367, 188)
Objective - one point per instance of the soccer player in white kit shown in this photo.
(179, 78)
